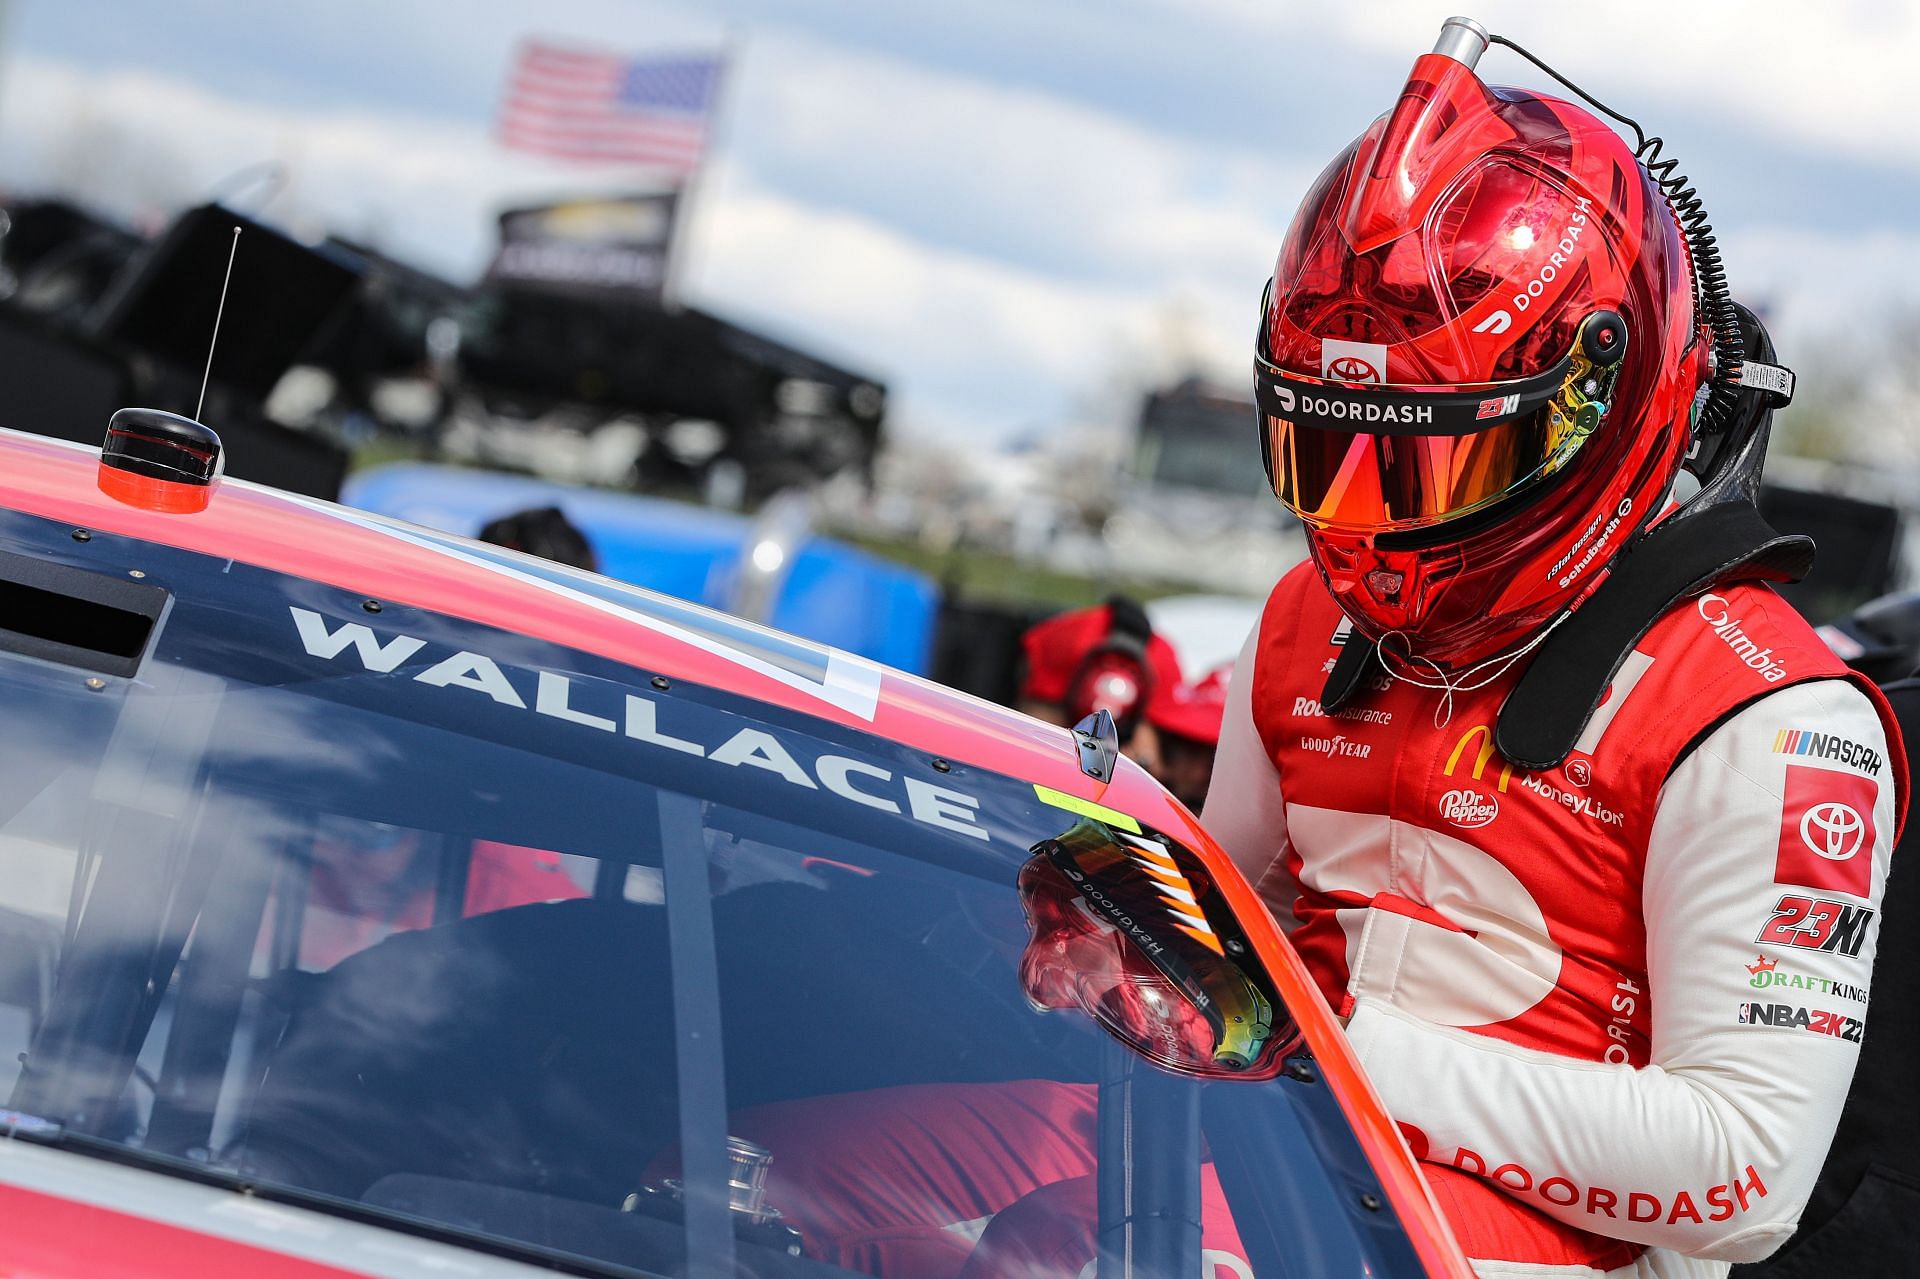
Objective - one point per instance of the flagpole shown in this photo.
(679, 247)
(5, 13)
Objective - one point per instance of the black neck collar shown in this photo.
(1566, 677)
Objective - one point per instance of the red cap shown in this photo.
(1191, 710)
(1057, 648)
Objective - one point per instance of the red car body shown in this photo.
(89, 1221)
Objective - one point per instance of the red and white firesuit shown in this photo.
(1628, 991)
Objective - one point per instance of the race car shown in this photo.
(378, 902)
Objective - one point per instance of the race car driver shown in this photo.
(1574, 821)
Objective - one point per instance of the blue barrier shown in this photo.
(833, 593)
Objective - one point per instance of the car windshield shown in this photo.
(486, 936)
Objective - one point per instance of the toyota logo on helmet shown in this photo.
(1351, 368)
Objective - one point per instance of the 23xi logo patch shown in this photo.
(1814, 923)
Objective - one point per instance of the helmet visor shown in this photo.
(1420, 454)
(1359, 482)
(1133, 933)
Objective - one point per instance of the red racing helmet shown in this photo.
(1477, 363)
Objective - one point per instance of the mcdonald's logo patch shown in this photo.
(1485, 754)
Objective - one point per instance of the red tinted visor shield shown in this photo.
(1377, 457)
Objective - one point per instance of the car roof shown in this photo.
(395, 562)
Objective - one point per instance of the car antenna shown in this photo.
(218, 312)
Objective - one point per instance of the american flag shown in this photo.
(604, 109)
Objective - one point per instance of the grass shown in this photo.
(382, 449)
(981, 577)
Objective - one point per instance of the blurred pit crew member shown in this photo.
(1185, 719)
(544, 531)
(1537, 773)
(1101, 658)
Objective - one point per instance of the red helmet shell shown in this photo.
(1463, 238)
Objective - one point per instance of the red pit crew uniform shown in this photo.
(1569, 983)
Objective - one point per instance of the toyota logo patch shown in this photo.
(1353, 361)
(1833, 831)
(1828, 838)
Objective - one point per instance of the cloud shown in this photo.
(953, 154)
(1015, 173)
(139, 144)
(969, 343)
(1833, 76)
(972, 339)
(1000, 214)
(1822, 288)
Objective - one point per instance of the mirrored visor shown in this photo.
(1420, 454)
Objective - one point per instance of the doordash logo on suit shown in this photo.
(1738, 1194)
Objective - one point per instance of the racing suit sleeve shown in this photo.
(1758, 960)
(1244, 811)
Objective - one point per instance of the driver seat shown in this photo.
(902, 1180)
(1050, 1234)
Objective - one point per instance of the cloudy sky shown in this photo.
(1002, 207)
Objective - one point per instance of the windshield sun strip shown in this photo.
(1086, 808)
